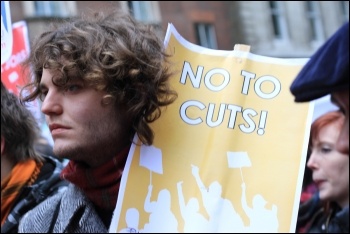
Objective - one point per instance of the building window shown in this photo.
(278, 20)
(314, 17)
(344, 9)
(206, 36)
(49, 8)
(145, 11)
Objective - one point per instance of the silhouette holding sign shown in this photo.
(132, 221)
(195, 222)
(161, 217)
(261, 219)
(222, 215)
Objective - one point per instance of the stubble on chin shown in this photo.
(70, 153)
(95, 152)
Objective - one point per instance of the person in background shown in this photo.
(26, 177)
(327, 72)
(43, 146)
(102, 80)
(309, 188)
(328, 209)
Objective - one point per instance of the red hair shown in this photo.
(334, 117)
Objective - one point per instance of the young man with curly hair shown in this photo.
(102, 79)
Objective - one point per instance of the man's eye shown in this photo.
(42, 95)
(73, 87)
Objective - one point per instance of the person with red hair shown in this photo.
(328, 209)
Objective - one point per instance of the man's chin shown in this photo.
(66, 152)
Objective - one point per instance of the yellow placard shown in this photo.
(228, 155)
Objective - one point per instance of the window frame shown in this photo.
(152, 15)
(279, 22)
(206, 35)
(313, 14)
(65, 9)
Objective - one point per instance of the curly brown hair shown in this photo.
(114, 53)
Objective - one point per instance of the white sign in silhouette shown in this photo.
(238, 160)
(151, 158)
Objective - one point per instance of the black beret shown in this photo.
(327, 70)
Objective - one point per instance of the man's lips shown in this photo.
(57, 127)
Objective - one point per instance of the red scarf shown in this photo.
(101, 184)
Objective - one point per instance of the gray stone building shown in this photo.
(272, 28)
(283, 29)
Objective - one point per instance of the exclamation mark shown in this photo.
(262, 123)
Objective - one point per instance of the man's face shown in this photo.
(82, 128)
(341, 99)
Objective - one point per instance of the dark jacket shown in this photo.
(47, 184)
(313, 218)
